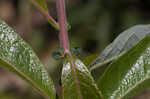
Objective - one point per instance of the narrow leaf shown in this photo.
(128, 75)
(42, 6)
(125, 41)
(87, 88)
(17, 56)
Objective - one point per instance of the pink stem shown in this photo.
(64, 39)
(63, 25)
(75, 75)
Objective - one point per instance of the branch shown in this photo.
(49, 18)
(64, 39)
(63, 25)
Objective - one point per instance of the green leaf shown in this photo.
(42, 4)
(42, 7)
(128, 75)
(89, 59)
(17, 56)
(79, 85)
(125, 41)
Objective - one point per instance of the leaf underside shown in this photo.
(88, 89)
(128, 75)
(125, 41)
(17, 56)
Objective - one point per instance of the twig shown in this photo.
(49, 18)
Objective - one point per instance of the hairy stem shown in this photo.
(49, 18)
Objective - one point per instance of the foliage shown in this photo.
(17, 56)
(127, 74)
(125, 41)
(84, 88)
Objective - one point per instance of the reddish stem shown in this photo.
(63, 25)
(75, 75)
(64, 39)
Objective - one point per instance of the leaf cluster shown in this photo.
(124, 77)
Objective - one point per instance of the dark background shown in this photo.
(95, 23)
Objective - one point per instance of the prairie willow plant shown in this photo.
(126, 62)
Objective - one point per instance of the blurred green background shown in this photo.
(95, 23)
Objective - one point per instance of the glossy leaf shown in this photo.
(128, 75)
(17, 56)
(84, 88)
(125, 41)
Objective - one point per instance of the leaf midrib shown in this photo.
(130, 89)
(26, 77)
